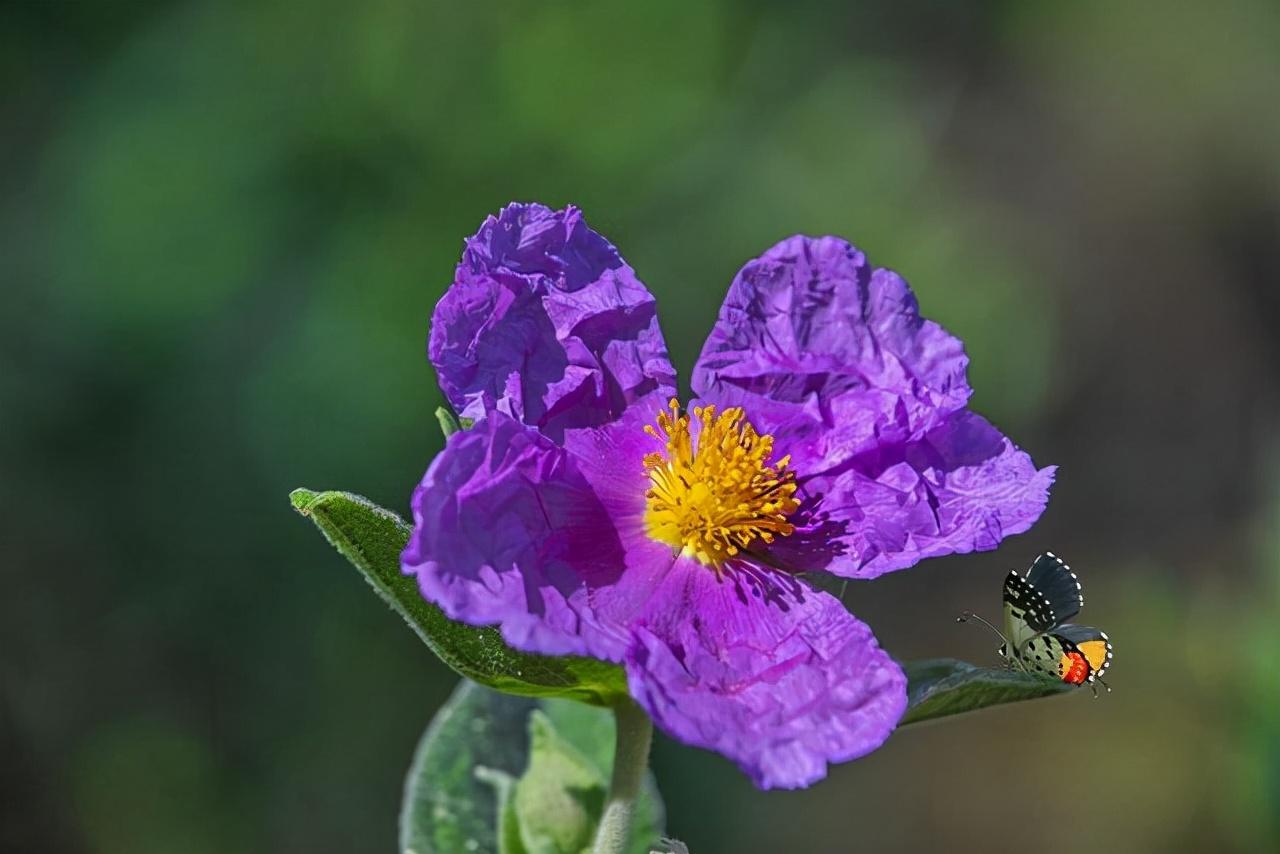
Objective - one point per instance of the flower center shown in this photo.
(714, 497)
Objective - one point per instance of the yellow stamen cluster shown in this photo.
(712, 499)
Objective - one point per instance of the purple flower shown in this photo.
(585, 513)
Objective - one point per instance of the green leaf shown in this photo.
(372, 539)
(462, 791)
(508, 830)
(939, 687)
(560, 798)
(448, 421)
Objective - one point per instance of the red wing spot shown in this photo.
(1078, 672)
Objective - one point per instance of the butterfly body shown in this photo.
(1037, 636)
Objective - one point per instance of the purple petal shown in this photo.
(611, 459)
(546, 319)
(765, 670)
(833, 358)
(963, 487)
(818, 346)
(508, 530)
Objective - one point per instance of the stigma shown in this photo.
(715, 495)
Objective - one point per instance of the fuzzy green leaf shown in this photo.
(939, 687)
(513, 775)
(372, 539)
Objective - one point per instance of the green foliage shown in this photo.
(495, 772)
(372, 539)
(940, 687)
(448, 421)
(560, 798)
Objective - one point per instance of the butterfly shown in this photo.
(1037, 637)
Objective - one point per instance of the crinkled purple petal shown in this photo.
(509, 531)
(774, 675)
(867, 397)
(963, 487)
(546, 319)
(819, 347)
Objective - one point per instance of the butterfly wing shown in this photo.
(1055, 581)
(1048, 654)
(1027, 612)
(1055, 655)
(1092, 643)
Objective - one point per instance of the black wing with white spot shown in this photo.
(1055, 581)
(1027, 612)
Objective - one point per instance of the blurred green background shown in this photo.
(223, 226)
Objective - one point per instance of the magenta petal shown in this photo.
(506, 530)
(963, 487)
(546, 319)
(774, 675)
(611, 459)
(867, 397)
(821, 348)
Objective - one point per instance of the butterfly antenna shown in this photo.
(966, 616)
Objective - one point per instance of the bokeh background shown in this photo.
(223, 227)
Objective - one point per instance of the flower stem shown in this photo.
(630, 758)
